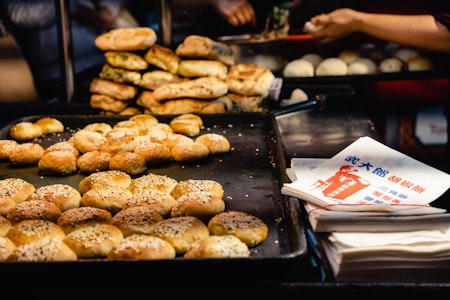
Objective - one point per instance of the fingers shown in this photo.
(242, 16)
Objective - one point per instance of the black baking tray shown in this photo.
(251, 174)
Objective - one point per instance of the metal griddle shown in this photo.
(251, 174)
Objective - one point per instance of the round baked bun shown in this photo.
(216, 143)
(141, 246)
(34, 210)
(68, 146)
(136, 219)
(189, 152)
(225, 246)
(5, 226)
(26, 154)
(405, 54)
(94, 241)
(93, 161)
(160, 201)
(25, 131)
(111, 198)
(332, 66)
(391, 64)
(313, 58)
(349, 55)
(6, 148)
(28, 231)
(153, 153)
(203, 205)
(14, 189)
(126, 39)
(298, 68)
(43, 250)
(50, 125)
(128, 162)
(64, 196)
(87, 140)
(181, 232)
(7, 247)
(362, 66)
(58, 163)
(151, 181)
(74, 218)
(420, 63)
(108, 178)
(197, 185)
(248, 228)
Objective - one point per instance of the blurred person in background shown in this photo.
(34, 26)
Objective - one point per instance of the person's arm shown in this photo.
(420, 31)
(236, 12)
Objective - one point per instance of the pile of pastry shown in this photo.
(114, 216)
(199, 76)
(130, 145)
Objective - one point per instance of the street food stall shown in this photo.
(337, 110)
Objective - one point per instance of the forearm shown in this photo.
(420, 31)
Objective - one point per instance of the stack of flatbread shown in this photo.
(199, 76)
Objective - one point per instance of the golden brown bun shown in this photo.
(181, 232)
(189, 152)
(25, 131)
(16, 189)
(249, 80)
(203, 205)
(126, 39)
(202, 68)
(83, 216)
(111, 198)
(151, 181)
(209, 87)
(119, 75)
(26, 154)
(218, 246)
(154, 79)
(28, 231)
(86, 140)
(153, 153)
(108, 178)
(100, 127)
(175, 138)
(62, 195)
(248, 228)
(119, 91)
(93, 161)
(6, 148)
(140, 246)
(126, 60)
(58, 163)
(197, 185)
(136, 219)
(159, 201)
(108, 103)
(202, 47)
(187, 124)
(63, 146)
(6, 248)
(118, 140)
(33, 210)
(184, 105)
(216, 143)
(43, 251)
(128, 162)
(163, 58)
(144, 120)
(93, 241)
(50, 125)
(5, 225)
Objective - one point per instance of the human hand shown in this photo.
(333, 26)
(236, 12)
